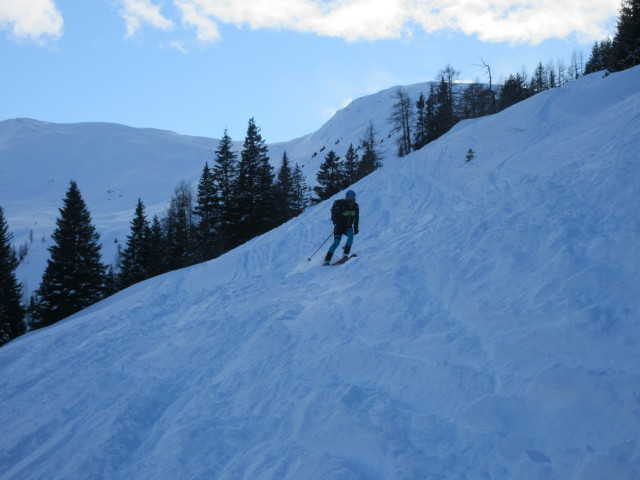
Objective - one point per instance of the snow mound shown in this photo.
(488, 328)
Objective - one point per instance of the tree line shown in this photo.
(236, 199)
(623, 51)
(336, 174)
(433, 115)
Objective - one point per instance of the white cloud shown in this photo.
(179, 46)
(514, 21)
(491, 20)
(31, 20)
(138, 12)
(194, 16)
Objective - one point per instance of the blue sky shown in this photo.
(198, 66)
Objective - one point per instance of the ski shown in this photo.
(344, 259)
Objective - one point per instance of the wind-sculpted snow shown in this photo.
(487, 330)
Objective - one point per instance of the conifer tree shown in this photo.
(432, 101)
(111, 281)
(134, 259)
(626, 42)
(11, 309)
(600, 58)
(254, 187)
(371, 159)
(300, 198)
(225, 177)
(75, 276)
(444, 117)
(513, 91)
(539, 80)
(207, 213)
(552, 81)
(157, 248)
(476, 101)
(283, 192)
(421, 132)
(351, 166)
(330, 177)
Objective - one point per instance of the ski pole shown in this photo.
(309, 259)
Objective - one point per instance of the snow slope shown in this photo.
(488, 329)
(115, 165)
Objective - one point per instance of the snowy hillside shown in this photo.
(488, 330)
(348, 126)
(115, 165)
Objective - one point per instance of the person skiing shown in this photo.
(345, 215)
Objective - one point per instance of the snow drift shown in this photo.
(488, 329)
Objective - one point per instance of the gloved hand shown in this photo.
(355, 232)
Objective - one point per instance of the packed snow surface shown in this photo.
(488, 328)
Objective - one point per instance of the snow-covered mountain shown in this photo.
(115, 165)
(488, 330)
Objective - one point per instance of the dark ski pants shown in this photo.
(336, 242)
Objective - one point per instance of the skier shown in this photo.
(345, 215)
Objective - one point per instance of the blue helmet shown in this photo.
(350, 194)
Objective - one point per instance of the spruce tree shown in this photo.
(600, 58)
(513, 91)
(134, 259)
(539, 80)
(283, 192)
(444, 117)
(157, 248)
(300, 198)
(476, 101)
(420, 135)
(371, 159)
(626, 42)
(330, 177)
(552, 81)
(225, 177)
(351, 166)
(111, 281)
(75, 276)
(254, 187)
(11, 309)
(207, 213)
(431, 114)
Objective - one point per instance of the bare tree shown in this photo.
(487, 67)
(402, 118)
(562, 73)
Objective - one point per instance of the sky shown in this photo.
(198, 67)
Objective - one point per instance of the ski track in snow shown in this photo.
(488, 328)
